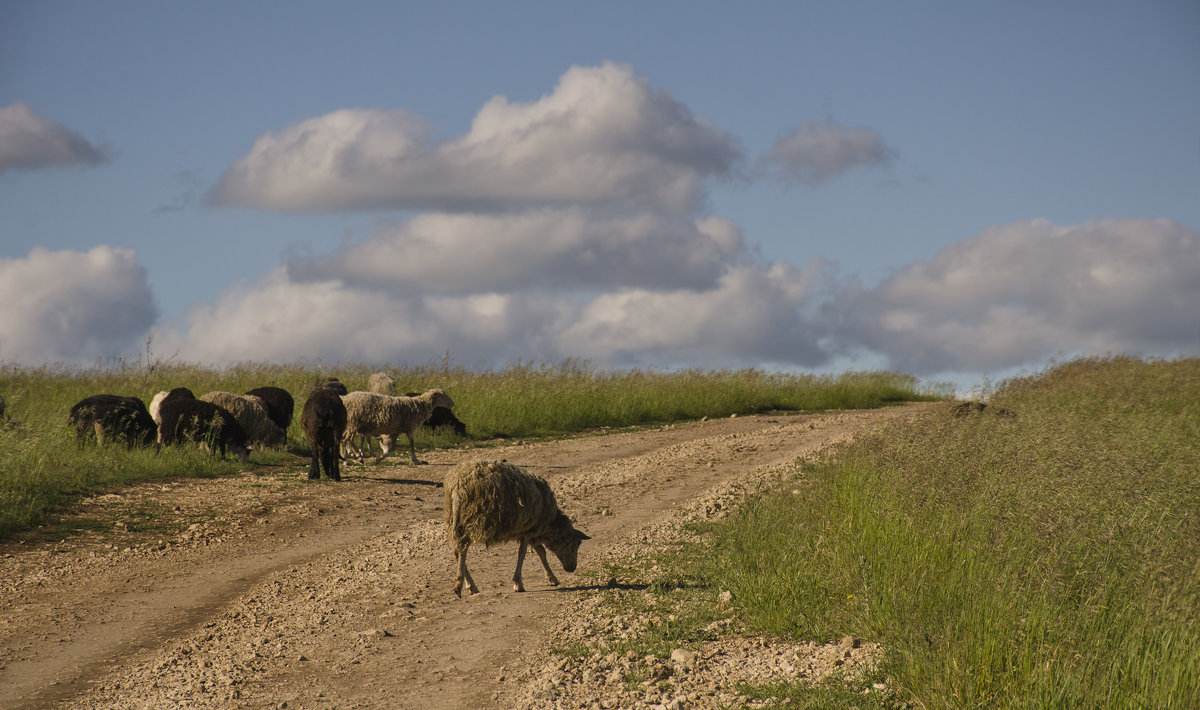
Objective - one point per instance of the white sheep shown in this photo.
(387, 417)
(251, 413)
(495, 501)
(379, 383)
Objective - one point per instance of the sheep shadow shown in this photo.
(622, 586)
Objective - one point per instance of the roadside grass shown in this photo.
(1041, 552)
(44, 468)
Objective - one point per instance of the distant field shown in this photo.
(1042, 551)
(43, 468)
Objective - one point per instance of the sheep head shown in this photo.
(563, 540)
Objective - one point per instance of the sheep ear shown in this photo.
(581, 535)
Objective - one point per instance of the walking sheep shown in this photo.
(323, 421)
(280, 405)
(251, 413)
(494, 501)
(113, 418)
(176, 393)
(203, 423)
(387, 417)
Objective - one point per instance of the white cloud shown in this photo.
(1024, 292)
(749, 312)
(73, 307)
(30, 141)
(602, 137)
(565, 249)
(817, 152)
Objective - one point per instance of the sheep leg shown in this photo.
(541, 553)
(518, 586)
(412, 449)
(314, 469)
(460, 553)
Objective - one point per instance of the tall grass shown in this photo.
(1044, 552)
(43, 468)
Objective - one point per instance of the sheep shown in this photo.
(336, 385)
(379, 383)
(204, 423)
(251, 413)
(382, 383)
(156, 402)
(442, 417)
(495, 501)
(280, 405)
(387, 417)
(114, 418)
(323, 421)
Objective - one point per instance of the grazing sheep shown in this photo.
(251, 413)
(442, 417)
(387, 417)
(336, 385)
(176, 393)
(203, 423)
(323, 421)
(280, 405)
(495, 501)
(382, 383)
(379, 383)
(113, 418)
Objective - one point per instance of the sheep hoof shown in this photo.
(518, 587)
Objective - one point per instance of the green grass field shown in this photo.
(1043, 552)
(44, 469)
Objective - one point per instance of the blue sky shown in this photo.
(955, 190)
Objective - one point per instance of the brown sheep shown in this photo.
(495, 501)
(323, 421)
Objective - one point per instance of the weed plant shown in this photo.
(44, 468)
(1041, 552)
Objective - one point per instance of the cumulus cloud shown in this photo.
(30, 141)
(1024, 292)
(561, 249)
(602, 137)
(818, 152)
(748, 312)
(73, 307)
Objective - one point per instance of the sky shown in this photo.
(957, 191)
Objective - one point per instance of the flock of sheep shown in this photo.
(486, 501)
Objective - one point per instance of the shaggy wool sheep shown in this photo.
(379, 383)
(280, 405)
(387, 417)
(442, 417)
(251, 413)
(382, 383)
(113, 418)
(203, 423)
(323, 421)
(176, 393)
(495, 501)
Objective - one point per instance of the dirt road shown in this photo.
(263, 590)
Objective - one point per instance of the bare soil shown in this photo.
(265, 590)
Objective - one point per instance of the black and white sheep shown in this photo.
(203, 423)
(323, 421)
(495, 501)
(388, 417)
(251, 413)
(175, 393)
(442, 417)
(280, 405)
(112, 417)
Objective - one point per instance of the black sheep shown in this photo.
(442, 417)
(323, 421)
(113, 418)
(335, 385)
(280, 405)
(204, 423)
